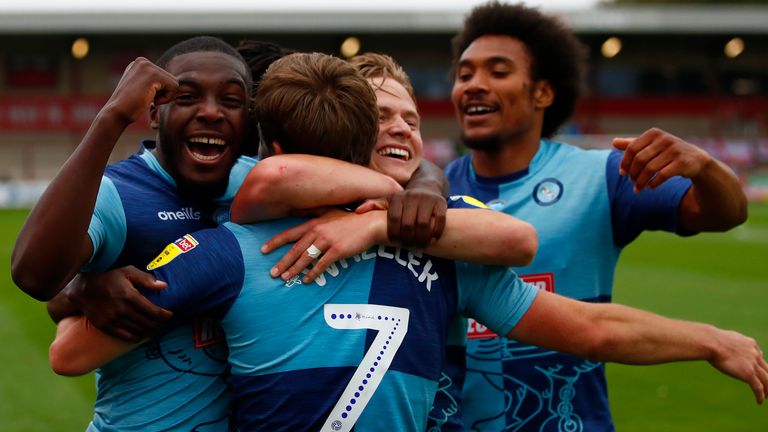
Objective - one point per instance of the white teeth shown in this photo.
(204, 157)
(396, 152)
(207, 140)
(477, 109)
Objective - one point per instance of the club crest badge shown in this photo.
(548, 192)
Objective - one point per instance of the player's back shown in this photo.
(362, 346)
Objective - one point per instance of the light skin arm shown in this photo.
(53, 243)
(503, 240)
(715, 202)
(282, 183)
(80, 347)
(616, 333)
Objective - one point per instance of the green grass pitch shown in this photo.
(717, 278)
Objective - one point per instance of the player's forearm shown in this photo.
(716, 202)
(430, 177)
(633, 336)
(80, 348)
(60, 307)
(486, 237)
(281, 183)
(53, 243)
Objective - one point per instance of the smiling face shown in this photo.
(398, 149)
(200, 131)
(496, 100)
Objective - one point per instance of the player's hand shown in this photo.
(415, 217)
(656, 156)
(142, 83)
(112, 303)
(740, 357)
(336, 234)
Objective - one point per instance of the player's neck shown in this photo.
(513, 156)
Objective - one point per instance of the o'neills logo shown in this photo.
(183, 214)
(542, 281)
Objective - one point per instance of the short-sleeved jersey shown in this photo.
(177, 381)
(584, 213)
(362, 346)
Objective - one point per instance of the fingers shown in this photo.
(144, 280)
(395, 218)
(288, 236)
(372, 204)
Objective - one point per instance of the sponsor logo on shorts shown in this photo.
(183, 214)
(542, 281)
(180, 246)
(548, 192)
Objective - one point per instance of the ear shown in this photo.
(543, 94)
(154, 116)
(277, 148)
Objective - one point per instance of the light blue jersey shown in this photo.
(177, 381)
(584, 213)
(362, 346)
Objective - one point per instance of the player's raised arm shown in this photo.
(282, 183)
(715, 202)
(616, 333)
(53, 243)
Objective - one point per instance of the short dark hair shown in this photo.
(317, 104)
(556, 54)
(259, 55)
(204, 44)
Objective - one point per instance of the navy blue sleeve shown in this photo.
(204, 272)
(651, 209)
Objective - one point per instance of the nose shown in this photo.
(210, 110)
(478, 83)
(399, 127)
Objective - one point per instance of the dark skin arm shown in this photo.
(716, 202)
(112, 303)
(416, 215)
(53, 243)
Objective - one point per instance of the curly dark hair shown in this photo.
(557, 55)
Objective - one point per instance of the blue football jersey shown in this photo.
(584, 213)
(362, 346)
(177, 381)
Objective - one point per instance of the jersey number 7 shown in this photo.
(392, 324)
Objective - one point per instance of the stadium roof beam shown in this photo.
(255, 18)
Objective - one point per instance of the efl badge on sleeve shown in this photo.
(180, 246)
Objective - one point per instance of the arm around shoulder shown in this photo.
(281, 183)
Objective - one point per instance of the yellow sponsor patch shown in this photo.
(180, 246)
(469, 200)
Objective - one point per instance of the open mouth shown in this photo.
(477, 110)
(395, 153)
(206, 149)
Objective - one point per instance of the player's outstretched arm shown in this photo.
(610, 332)
(474, 235)
(716, 202)
(53, 243)
(80, 347)
(282, 183)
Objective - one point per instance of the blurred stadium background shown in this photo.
(698, 71)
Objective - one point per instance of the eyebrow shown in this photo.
(489, 61)
(193, 83)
